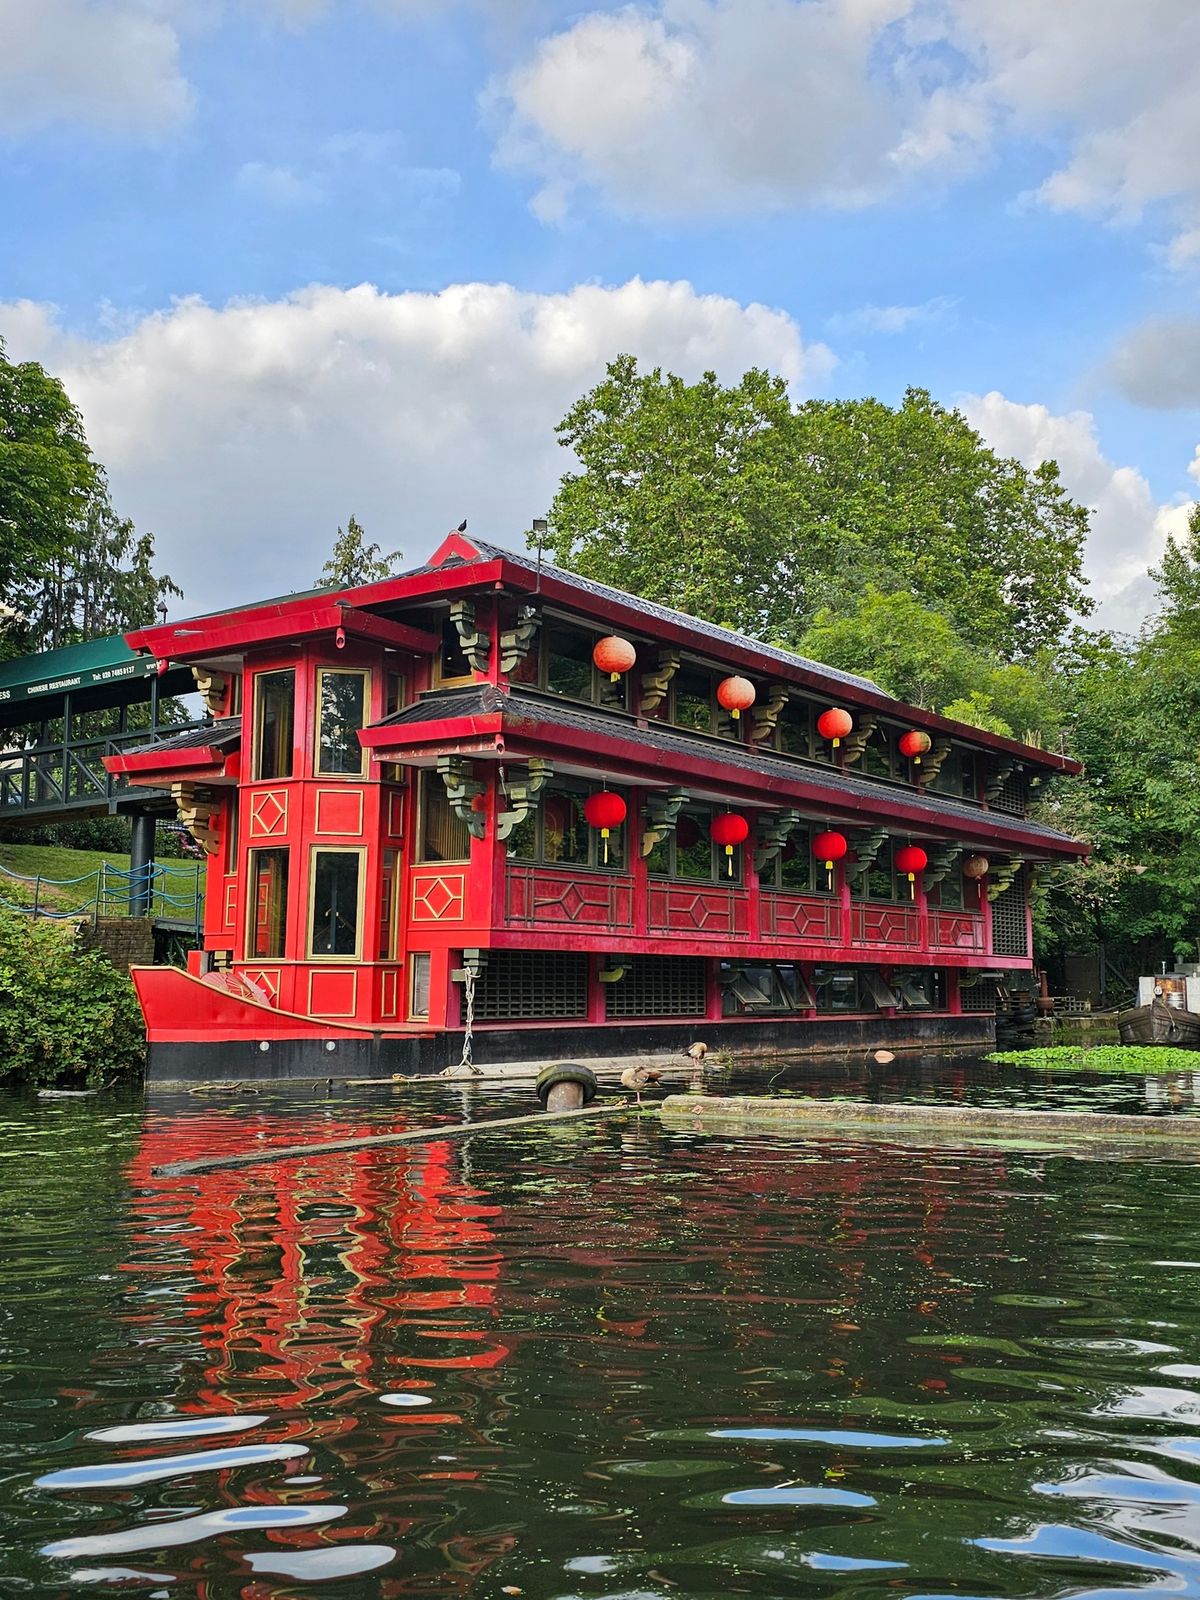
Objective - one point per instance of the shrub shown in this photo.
(65, 1013)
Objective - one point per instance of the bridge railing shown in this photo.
(171, 892)
(58, 777)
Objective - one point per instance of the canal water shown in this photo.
(604, 1361)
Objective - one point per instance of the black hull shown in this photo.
(322, 1057)
(1160, 1024)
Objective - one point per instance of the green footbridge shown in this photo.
(61, 713)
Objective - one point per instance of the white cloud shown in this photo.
(893, 319)
(704, 107)
(1129, 527)
(1157, 364)
(243, 435)
(113, 66)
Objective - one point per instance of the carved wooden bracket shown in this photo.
(612, 696)
(213, 687)
(855, 742)
(656, 680)
(662, 813)
(196, 808)
(474, 961)
(931, 763)
(940, 863)
(996, 779)
(522, 786)
(774, 830)
(476, 645)
(765, 714)
(1003, 877)
(516, 642)
(866, 847)
(462, 787)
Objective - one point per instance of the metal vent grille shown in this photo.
(526, 984)
(981, 995)
(1010, 936)
(1014, 795)
(659, 986)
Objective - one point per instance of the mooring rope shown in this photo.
(467, 1063)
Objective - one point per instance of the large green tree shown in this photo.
(1134, 721)
(914, 652)
(733, 504)
(70, 568)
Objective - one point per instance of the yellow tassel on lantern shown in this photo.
(729, 859)
(604, 832)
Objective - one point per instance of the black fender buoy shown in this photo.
(565, 1086)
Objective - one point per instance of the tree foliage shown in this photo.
(70, 568)
(733, 504)
(65, 1014)
(915, 653)
(1134, 722)
(353, 561)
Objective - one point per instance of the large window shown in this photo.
(880, 758)
(442, 835)
(794, 732)
(453, 665)
(690, 854)
(274, 723)
(567, 653)
(693, 702)
(556, 834)
(948, 894)
(341, 713)
(334, 924)
(796, 871)
(267, 933)
(878, 882)
(956, 775)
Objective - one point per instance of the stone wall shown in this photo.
(126, 941)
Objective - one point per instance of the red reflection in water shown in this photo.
(292, 1272)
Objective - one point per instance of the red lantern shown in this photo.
(915, 744)
(736, 695)
(976, 867)
(729, 829)
(614, 655)
(834, 725)
(911, 859)
(604, 811)
(829, 847)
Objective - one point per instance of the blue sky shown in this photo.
(245, 233)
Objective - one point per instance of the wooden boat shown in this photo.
(1159, 1023)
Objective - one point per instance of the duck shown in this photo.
(636, 1078)
(697, 1052)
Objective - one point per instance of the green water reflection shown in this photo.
(609, 1361)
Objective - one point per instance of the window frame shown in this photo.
(440, 677)
(257, 775)
(717, 857)
(426, 776)
(323, 672)
(821, 884)
(595, 860)
(253, 856)
(419, 962)
(314, 851)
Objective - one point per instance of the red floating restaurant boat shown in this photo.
(490, 801)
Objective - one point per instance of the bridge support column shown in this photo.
(141, 862)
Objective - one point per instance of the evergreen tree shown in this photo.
(354, 562)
